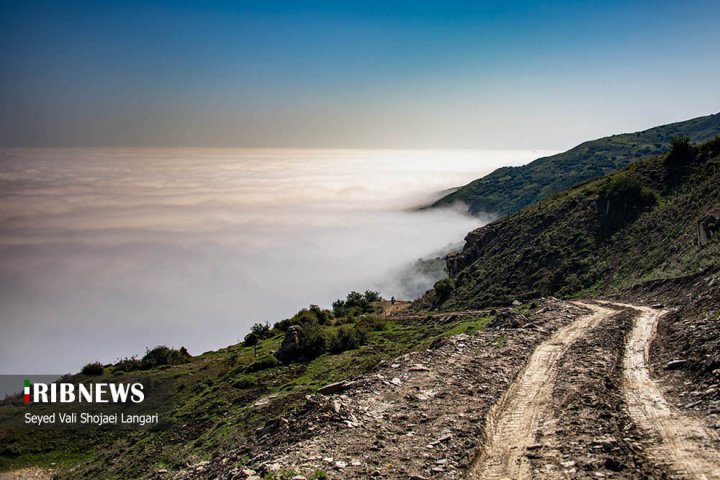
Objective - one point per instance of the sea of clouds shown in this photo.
(106, 252)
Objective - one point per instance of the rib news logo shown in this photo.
(81, 393)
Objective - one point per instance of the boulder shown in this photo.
(290, 347)
(333, 388)
(508, 320)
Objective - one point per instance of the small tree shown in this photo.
(681, 152)
(372, 296)
(443, 289)
(93, 369)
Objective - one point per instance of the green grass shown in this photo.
(214, 402)
(55, 460)
(509, 189)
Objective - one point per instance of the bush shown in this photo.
(443, 289)
(355, 304)
(681, 152)
(250, 340)
(258, 332)
(128, 364)
(263, 364)
(624, 195)
(372, 296)
(93, 369)
(313, 313)
(324, 317)
(346, 338)
(246, 381)
(371, 323)
(162, 355)
(312, 340)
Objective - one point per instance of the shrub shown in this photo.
(338, 307)
(443, 289)
(250, 340)
(263, 364)
(372, 296)
(128, 364)
(313, 313)
(162, 355)
(324, 317)
(681, 152)
(246, 381)
(356, 300)
(312, 340)
(623, 195)
(346, 338)
(355, 304)
(371, 323)
(258, 332)
(93, 369)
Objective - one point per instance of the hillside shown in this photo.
(509, 189)
(638, 224)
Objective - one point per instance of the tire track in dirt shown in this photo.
(524, 412)
(681, 442)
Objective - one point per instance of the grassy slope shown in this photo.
(214, 404)
(509, 189)
(570, 243)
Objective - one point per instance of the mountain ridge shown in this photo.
(509, 189)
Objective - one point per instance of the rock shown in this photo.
(396, 381)
(419, 368)
(657, 305)
(299, 477)
(340, 464)
(707, 228)
(334, 388)
(290, 347)
(508, 320)
(676, 364)
(516, 303)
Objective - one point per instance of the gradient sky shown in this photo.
(371, 74)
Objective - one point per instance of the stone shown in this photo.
(333, 388)
(675, 364)
(290, 347)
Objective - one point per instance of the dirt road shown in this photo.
(523, 415)
(522, 422)
(679, 441)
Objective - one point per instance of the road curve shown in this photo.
(678, 441)
(512, 424)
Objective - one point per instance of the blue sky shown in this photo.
(392, 74)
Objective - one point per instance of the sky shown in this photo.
(340, 74)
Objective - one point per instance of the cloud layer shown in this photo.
(106, 252)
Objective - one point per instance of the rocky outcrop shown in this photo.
(707, 228)
(475, 244)
(290, 346)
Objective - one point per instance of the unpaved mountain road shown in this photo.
(679, 441)
(524, 413)
(522, 421)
